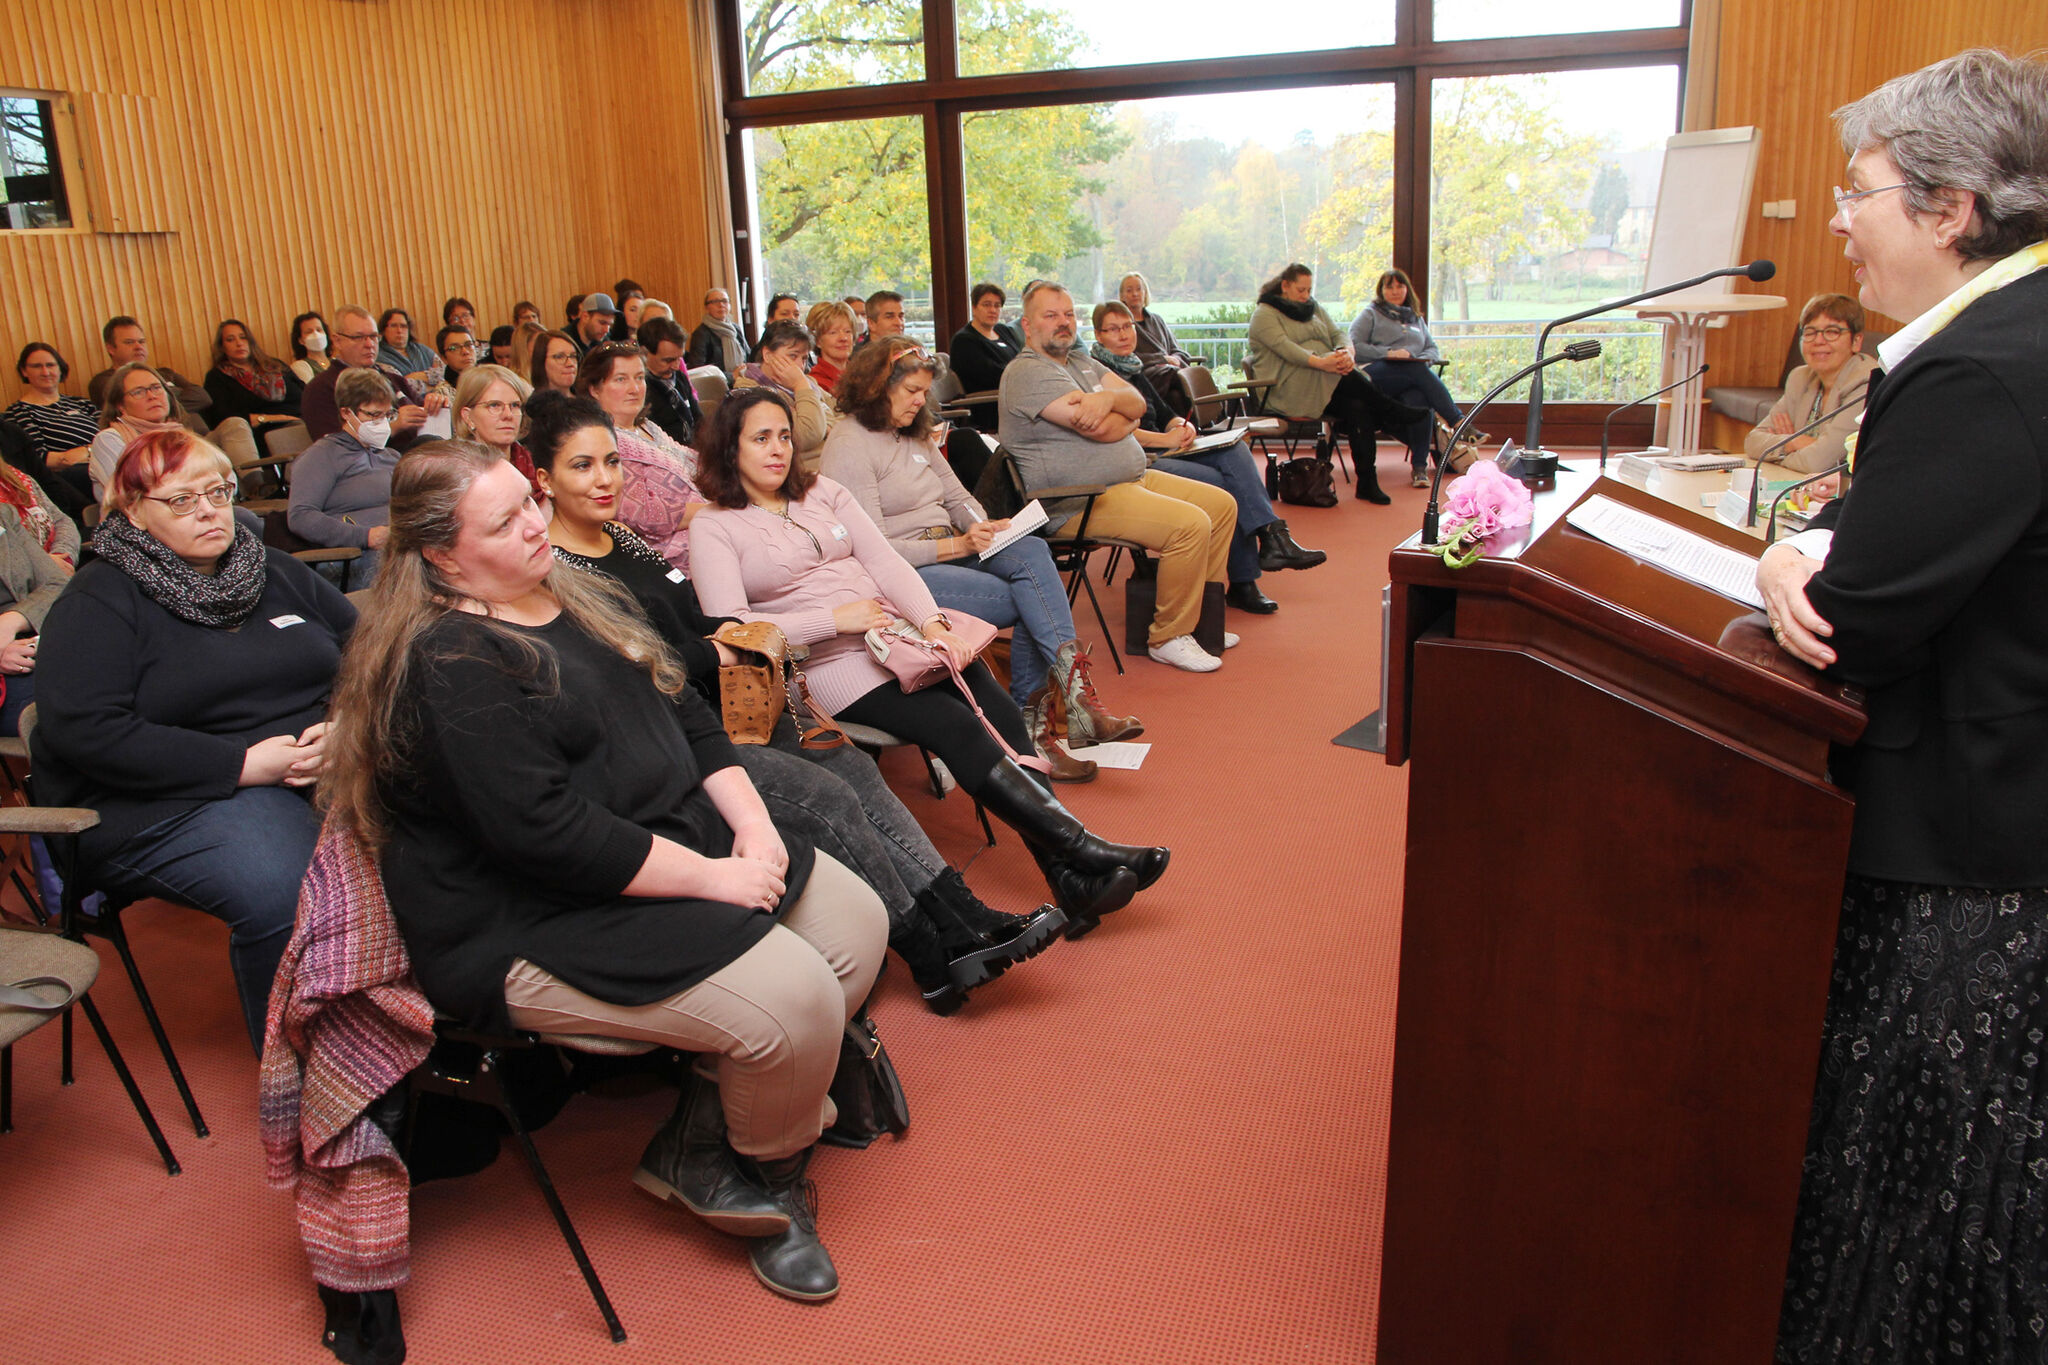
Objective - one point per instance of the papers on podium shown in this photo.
(1674, 550)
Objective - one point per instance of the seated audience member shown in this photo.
(594, 318)
(1157, 348)
(1294, 343)
(796, 550)
(671, 402)
(459, 312)
(247, 383)
(341, 484)
(1836, 371)
(785, 346)
(490, 409)
(660, 496)
(138, 402)
(355, 346)
(650, 309)
(781, 308)
(884, 453)
(398, 349)
(982, 349)
(309, 347)
(555, 358)
(1262, 540)
(525, 336)
(1391, 339)
(831, 326)
(501, 346)
(572, 312)
(526, 311)
(632, 301)
(884, 312)
(1067, 420)
(590, 857)
(38, 550)
(195, 739)
(833, 797)
(128, 344)
(717, 341)
(60, 427)
(457, 349)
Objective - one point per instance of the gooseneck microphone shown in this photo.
(1770, 452)
(1577, 350)
(1609, 423)
(1758, 271)
(1771, 526)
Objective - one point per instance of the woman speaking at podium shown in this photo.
(1922, 1231)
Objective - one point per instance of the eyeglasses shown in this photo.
(372, 414)
(1823, 333)
(500, 408)
(353, 336)
(145, 390)
(185, 504)
(462, 348)
(1844, 198)
(1114, 329)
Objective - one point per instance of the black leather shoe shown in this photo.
(793, 1263)
(1279, 550)
(689, 1163)
(1246, 596)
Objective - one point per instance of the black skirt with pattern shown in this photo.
(1922, 1232)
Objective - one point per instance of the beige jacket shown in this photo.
(1282, 348)
(1802, 391)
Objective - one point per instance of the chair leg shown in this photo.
(64, 1029)
(981, 814)
(142, 1110)
(111, 926)
(931, 772)
(1101, 621)
(487, 1067)
(7, 1088)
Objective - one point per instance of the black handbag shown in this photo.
(1308, 482)
(866, 1089)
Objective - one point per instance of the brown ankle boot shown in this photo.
(1042, 715)
(1073, 678)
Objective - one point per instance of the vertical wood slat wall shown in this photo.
(381, 152)
(1785, 68)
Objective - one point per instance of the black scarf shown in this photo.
(1401, 313)
(1300, 312)
(223, 599)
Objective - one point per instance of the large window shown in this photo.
(1057, 35)
(31, 173)
(825, 44)
(1458, 20)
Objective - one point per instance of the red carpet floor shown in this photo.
(1163, 1143)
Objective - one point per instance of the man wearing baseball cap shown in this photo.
(593, 321)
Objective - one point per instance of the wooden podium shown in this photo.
(1624, 876)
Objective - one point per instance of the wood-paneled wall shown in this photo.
(381, 152)
(1785, 67)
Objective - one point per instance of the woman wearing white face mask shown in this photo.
(341, 485)
(309, 346)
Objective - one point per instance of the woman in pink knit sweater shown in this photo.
(795, 549)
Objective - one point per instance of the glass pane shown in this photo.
(1542, 193)
(839, 209)
(1056, 35)
(1457, 20)
(824, 44)
(1206, 196)
(31, 175)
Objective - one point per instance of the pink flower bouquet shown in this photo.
(1481, 502)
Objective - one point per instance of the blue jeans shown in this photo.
(1414, 381)
(1232, 470)
(1018, 588)
(240, 860)
(21, 694)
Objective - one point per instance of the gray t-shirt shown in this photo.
(1047, 454)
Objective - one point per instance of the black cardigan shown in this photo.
(1937, 589)
(142, 716)
(231, 398)
(979, 364)
(529, 804)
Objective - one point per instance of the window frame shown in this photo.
(64, 135)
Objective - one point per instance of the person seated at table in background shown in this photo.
(60, 427)
(1836, 371)
(980, 351)
(555, 358)
(785, 346)
(309, 347)
(128, 344)
(1262, 540)
(833, 329)
(1390, 338)
(717, 341)
(671, 401)
(795, 550)
(660, 497)
(246, 383)
(183, 695)
(1294, 344)
(341, 484)
(501, 346)
(586, 855)
(835, 797)
(1066, 420)
(355, 347)
(398, 349)
(490, 409)
(38, 550)
(884, 453)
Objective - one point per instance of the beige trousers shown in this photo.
(1187, 524)
(773, 1017)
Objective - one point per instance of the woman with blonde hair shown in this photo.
(832, 330)
(490, 408)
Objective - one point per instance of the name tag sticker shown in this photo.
(675, 575)
(838, 533)
(919, 459)
(282, 621)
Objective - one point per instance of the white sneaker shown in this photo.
(1230, 639)
(1183, 653)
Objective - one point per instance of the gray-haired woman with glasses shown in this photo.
(184, 679)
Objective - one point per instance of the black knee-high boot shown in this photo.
(1089, 876)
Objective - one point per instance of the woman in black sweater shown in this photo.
(835, 797)
(183, 678)
(569, 845)
(983, 349)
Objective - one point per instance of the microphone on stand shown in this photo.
(1606, 425)
(1869, 382)
(1577, 350)
(1771, 526)
(1533, 442)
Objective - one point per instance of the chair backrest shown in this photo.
(708, 383)
(26, 728)
(1205, 406)
(946, 388)
(287, 439)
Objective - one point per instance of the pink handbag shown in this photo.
(917, 663)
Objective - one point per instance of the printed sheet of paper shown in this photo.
(1124, 753)
(1670, 548)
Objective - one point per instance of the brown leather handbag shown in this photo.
(754, 692)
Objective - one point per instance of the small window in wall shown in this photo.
(31, 173)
